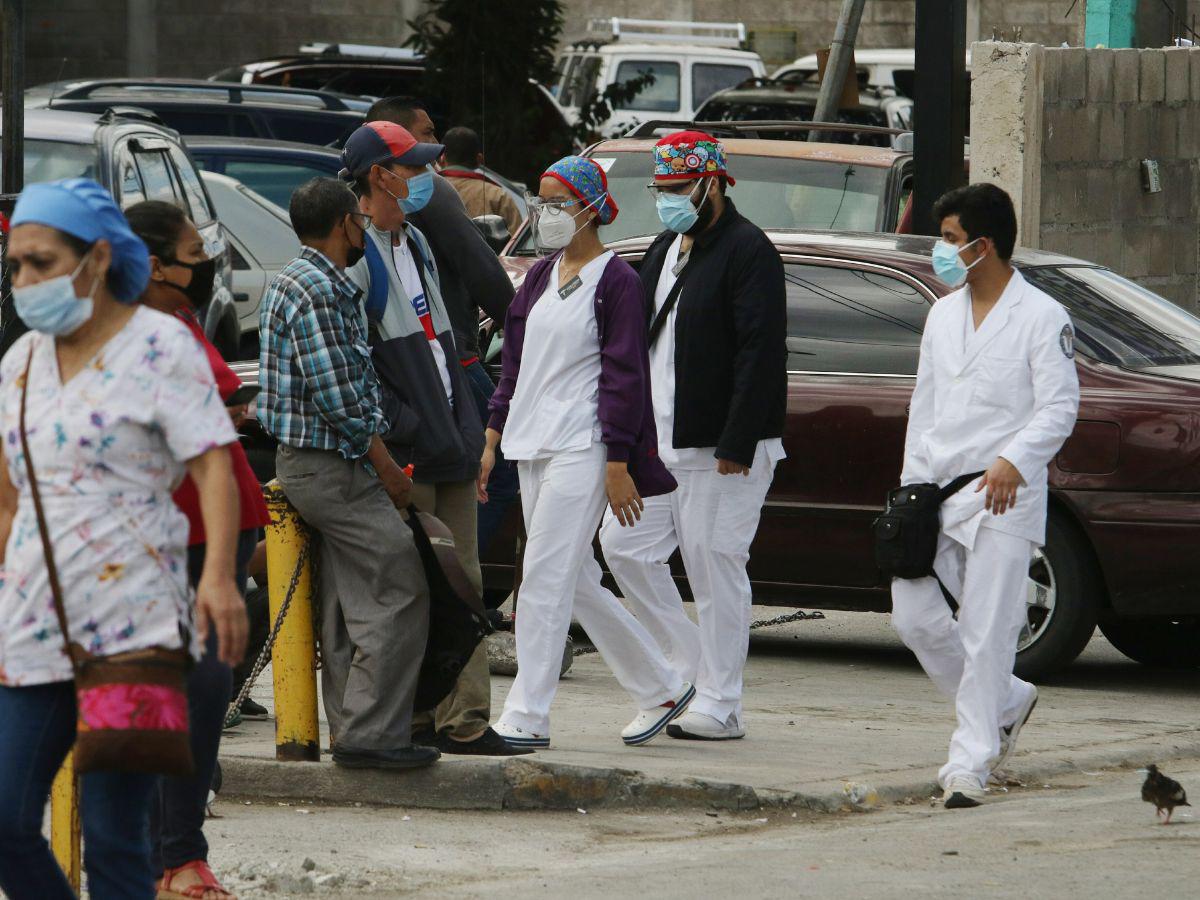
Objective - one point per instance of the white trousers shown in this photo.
(562, 499)
(971, 659)
(712, 519)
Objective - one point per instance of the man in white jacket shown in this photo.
(996, 391)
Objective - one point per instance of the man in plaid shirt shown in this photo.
(322, 401)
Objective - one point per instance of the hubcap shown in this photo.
(1040, 596)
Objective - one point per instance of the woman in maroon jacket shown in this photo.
(573, 409)
(181, 282)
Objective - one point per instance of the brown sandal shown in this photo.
(208, 882)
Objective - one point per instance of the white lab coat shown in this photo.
(1007, 390)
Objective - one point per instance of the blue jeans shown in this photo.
(177, 812)
(503, 487)
(38, 728)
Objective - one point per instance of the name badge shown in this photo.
(678, 267)
(569, 288)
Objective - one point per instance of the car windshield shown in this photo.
(1119, 322)
(772, 192)
(55, 160)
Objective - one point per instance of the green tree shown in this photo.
(480, 58)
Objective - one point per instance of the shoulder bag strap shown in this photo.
(43, 529)
(956, 485)
(660, 317)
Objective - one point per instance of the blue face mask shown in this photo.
(949, 265)
(420, 190)
(677, 212)
(51, 306)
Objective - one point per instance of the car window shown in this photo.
(275, 181)
(662, 95)
(381, 82)
(155, 170)
(236, 259)
(219, 121)
(1119, 322)
(852, 320)
(580, 82)
(129, 181)
(708, 78)
(202, 212)
(54, 160)
(308, 129)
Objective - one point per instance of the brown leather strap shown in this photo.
(43, 529)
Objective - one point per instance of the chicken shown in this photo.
(1165, 793)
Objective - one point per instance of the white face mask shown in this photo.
(556, 227)
(52, 307)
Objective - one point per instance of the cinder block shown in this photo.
(1052, 66)
(1110, 135)
(1126, 75)
(1153, 73)
(1176, 87)
(894, 12)
(1133, 203)
(1188, 142)
(1059, 133)
(1194, 72)
(1136, 261)
(1141, 130)
(1027, 13)
(1099, 76)
(1063, 192)
(1098, 201)
(1178, 183)
(1164, 147)
(1072, 79)
(1185, 243)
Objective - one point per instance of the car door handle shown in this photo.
(241, 296)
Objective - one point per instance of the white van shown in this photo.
(876, 68)
(690, 61)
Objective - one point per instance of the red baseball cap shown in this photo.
(378, 143)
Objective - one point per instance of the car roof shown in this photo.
(789, 92)
(60, 125)
(664, 49)
(187, 90)
(868, 57)
(854, 154)
(219, 142)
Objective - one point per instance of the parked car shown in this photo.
(875, 68)
(1124, 508)
(261, 243)
(195, 107)
(271, 168)
(136, 158)
(781, 184)
(778, 101)
(344, 68)
(690, 61)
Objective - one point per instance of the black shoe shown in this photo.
(252, 710)
(426, 737)
(401, 758)
(487, 744)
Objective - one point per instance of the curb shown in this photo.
(524, 784)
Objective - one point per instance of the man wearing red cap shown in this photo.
(718, 360)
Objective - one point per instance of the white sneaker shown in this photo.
(963, 792)
(519, 737)
(649, 722)
(1008, 736)
(697, 726)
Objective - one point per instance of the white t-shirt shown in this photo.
(555, 405)
(662, 383)
(410, 278)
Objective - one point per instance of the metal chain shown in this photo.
(797, 616)
(261, 662)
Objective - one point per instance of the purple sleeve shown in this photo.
(624, 358)
(514, 341)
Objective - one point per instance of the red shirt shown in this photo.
(187, 498)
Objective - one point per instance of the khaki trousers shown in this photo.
(466, 712)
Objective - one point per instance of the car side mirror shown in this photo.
(493, 230)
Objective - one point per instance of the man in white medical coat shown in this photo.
(997, 391)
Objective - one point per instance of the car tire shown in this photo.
(1165, 643)
(1078, 593)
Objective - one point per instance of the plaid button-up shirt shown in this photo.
(319, 390)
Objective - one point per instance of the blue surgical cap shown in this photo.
(82, 208)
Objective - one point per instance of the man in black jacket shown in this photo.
(718, 372)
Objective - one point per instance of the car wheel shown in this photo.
(1169, 643)
(1062, 602)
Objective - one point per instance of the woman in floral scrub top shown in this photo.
(121, 404)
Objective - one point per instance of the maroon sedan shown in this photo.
(1124, 518)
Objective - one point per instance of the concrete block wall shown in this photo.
(1065, 131)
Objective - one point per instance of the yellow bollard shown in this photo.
(64, 821)
(294, 657)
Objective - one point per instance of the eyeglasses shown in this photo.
(537, 204)
(679, 188)
(362, 220)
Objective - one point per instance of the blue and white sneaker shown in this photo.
(519, 737)
(649, 722)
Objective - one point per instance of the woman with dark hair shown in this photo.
(181, 283)
(119, 403)
(573, 409)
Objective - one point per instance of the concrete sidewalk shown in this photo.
(838, 714)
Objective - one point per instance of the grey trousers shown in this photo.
(374, 616)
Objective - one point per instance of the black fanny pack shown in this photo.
(906, 535)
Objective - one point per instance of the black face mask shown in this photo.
(704, 214)
(354, 254)
(199, 290)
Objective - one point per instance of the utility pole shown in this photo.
(840, 53)
(940, 103)
(12, 146)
